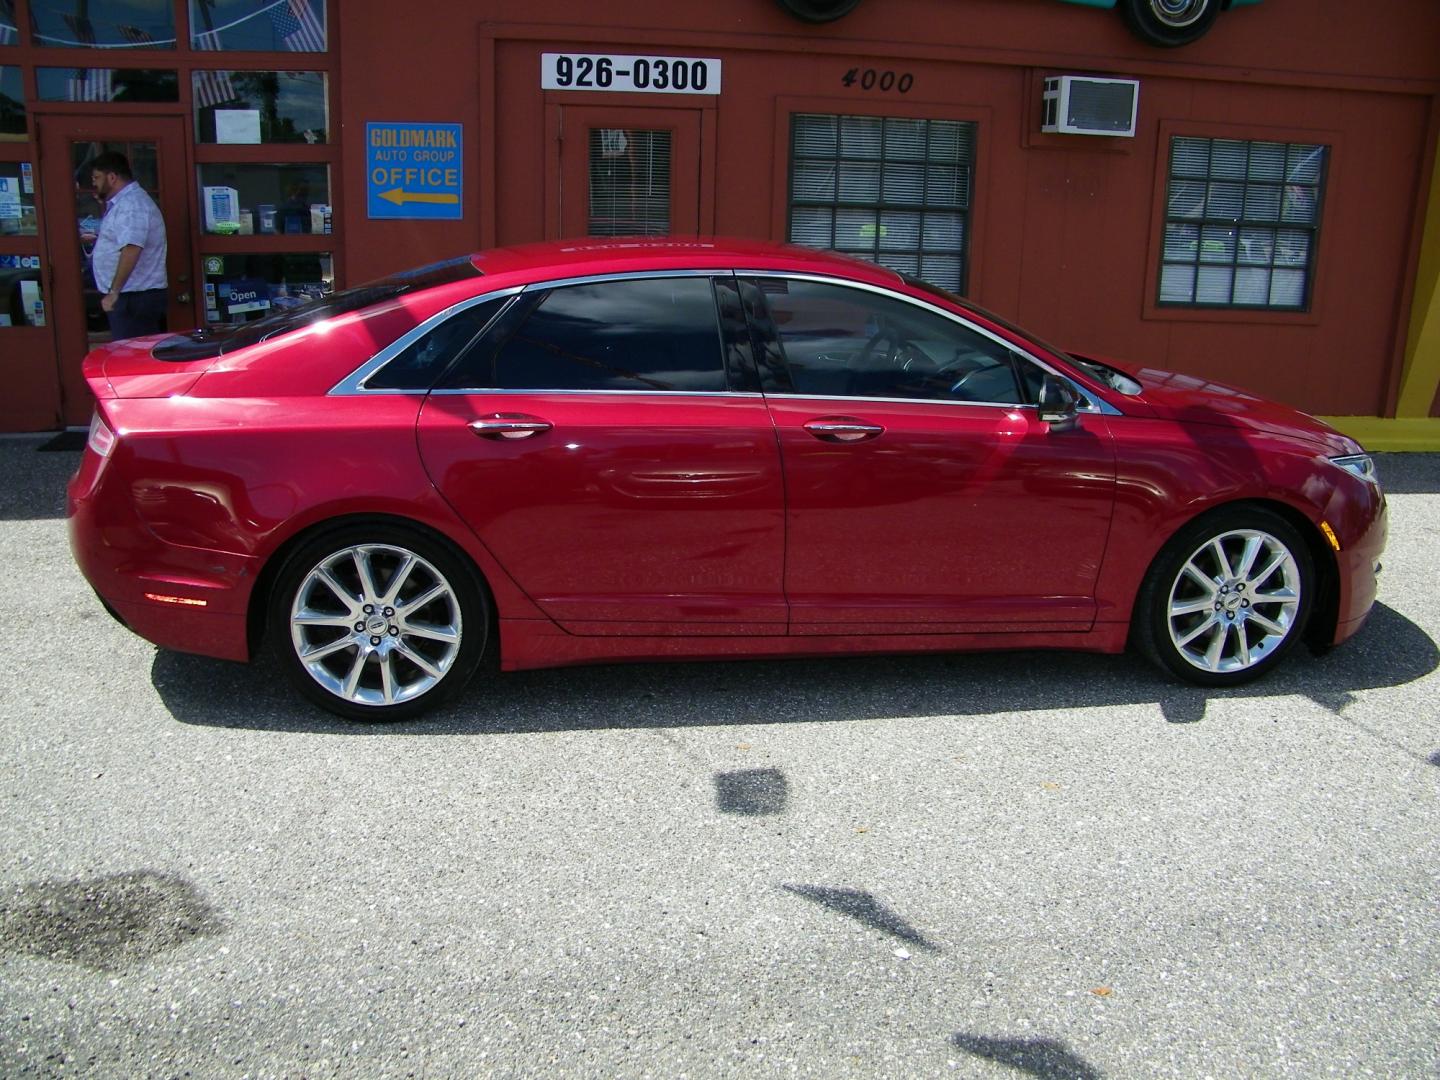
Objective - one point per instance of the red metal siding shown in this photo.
(1066, 229)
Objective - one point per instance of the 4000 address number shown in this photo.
(629, 74)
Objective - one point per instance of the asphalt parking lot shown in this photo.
(1056, 866)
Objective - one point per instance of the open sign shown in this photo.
(250, 294)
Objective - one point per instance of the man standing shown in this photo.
(129, 256)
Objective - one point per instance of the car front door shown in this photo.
(603, 445)
(924, 493)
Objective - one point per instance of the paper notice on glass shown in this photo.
(34, 306)
(9, 198)
(237, 125)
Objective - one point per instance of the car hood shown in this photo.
(1188, 399)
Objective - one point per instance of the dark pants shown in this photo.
(136, 314)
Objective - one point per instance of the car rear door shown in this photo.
(924, 494)
(605, 442)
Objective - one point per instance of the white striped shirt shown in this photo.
(131, 217)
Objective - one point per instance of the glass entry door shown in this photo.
(155, 146)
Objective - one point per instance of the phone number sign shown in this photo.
(629, 74)
(414, 171)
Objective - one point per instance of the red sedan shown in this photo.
(677, 449)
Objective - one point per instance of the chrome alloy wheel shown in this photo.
(1234, 602)
(375, 624)
(1178, 14)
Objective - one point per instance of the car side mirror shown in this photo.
(1059, 404)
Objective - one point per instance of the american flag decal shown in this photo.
(211, 87)
(297, 26)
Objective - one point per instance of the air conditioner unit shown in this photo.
(1081, 105)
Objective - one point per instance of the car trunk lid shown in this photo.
(130, 369)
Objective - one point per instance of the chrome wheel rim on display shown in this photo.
(1178, 13)
(375, 624)
(1234, 601)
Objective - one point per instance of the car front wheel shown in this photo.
(376, 622)
(1227, 598)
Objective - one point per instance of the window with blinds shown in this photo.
(1242, 222)
(894, 191)
(629, 182)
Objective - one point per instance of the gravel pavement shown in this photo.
(1055, 866)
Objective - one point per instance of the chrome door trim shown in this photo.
(483, 391)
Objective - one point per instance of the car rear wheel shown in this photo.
(1227, 598)
(1168, 23)
(378, 622)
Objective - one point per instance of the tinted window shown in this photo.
(420, 364)
(654, 334)
(847, 342)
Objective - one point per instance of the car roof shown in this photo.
(583, 257)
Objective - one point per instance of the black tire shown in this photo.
(379, 673)
(1168, 23)
(1178, 620)
(819, 11)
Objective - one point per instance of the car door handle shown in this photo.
(843, 429)
(501, 426)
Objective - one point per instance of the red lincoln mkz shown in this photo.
(659, 450)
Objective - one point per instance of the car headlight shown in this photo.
(1361, 465)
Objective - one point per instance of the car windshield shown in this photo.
(209, 342)
(1109, 376)
(990, 316)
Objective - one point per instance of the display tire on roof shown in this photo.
(1168, 23)
(819, 11)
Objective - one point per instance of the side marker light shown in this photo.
(183, 601)
(1330, 535)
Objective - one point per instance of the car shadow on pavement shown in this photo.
(1390, 651)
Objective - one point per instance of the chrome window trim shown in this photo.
(353, 385)
(1097, 405)
(625, 275)
(916, 401)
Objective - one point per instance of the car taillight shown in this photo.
(102, 440)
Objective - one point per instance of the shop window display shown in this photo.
(22, 297)
(264, 200)
(241, 288)
(17, 199)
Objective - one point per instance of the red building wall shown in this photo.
(1066, 230)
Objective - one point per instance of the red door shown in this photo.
(593, 446)
(155, 146)
(951, 519)
(923, 496)
(635, 515)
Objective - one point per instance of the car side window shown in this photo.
(644, 334)
(844, 342)
(423, 360)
